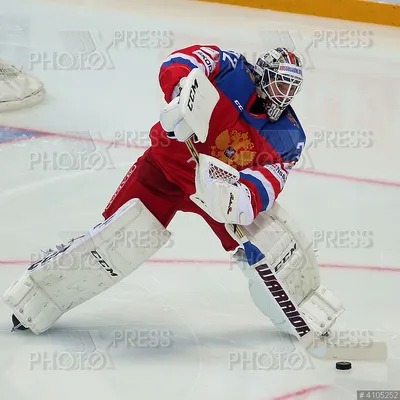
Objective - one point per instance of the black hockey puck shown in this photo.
(343, 365)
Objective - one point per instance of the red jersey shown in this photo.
(262, 151)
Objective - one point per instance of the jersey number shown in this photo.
(232, 56)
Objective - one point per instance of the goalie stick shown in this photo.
(320, 347)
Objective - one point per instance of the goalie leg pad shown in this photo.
(86, 266)
(292, 258)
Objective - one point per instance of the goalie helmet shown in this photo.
(278, 78)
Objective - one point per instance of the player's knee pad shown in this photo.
(291, 256)
(86, 266)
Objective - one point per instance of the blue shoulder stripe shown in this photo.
(179, 60)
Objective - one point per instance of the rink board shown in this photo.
(351, 10)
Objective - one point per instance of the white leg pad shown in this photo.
(291, 255)
(85, 267)
(321, 308)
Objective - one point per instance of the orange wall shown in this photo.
(353, 10)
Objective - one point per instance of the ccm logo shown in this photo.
(103, 263)
(192, 95)
(282, 262)
(240, 107)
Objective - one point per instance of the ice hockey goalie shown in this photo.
(240, 119)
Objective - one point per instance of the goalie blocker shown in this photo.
(85, 267)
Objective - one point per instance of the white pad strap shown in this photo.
(219, 192)
(291, 255)
(86, 267)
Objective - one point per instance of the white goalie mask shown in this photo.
(279, 77)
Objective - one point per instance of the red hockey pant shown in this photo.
(146, 181)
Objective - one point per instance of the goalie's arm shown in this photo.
(240, 197)
(267, 181)
(181, 62)
(265, 184)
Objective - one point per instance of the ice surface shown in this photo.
(189, 292)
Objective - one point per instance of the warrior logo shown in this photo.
(283, 300)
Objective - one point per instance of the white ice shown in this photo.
(202, 301)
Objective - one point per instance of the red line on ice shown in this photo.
(133, 145)
(301, 392)
(376, 268)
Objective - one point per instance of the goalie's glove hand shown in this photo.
(220, 194)
(171, 118)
